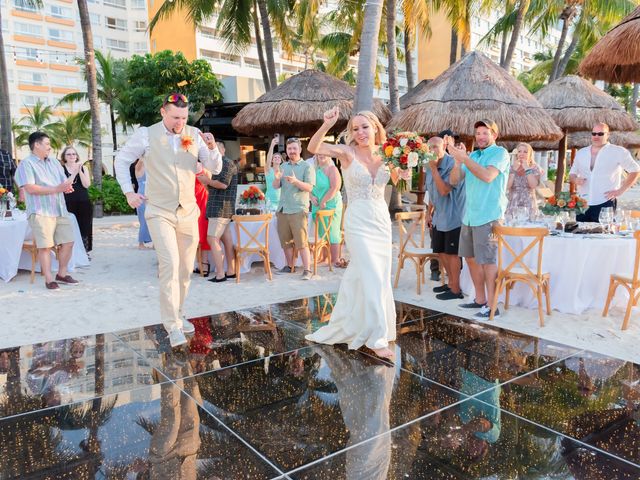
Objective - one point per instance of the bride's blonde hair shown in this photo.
(380, 136)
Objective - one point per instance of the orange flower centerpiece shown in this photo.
(251, 197)
(405, 150)
(186, 141)
(564, 202)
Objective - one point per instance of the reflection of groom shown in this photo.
(172, 150)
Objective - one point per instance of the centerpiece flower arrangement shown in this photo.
(251, 196)
(7, 201)
(405, 150)
(564, 202)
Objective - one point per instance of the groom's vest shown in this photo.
(171, 175)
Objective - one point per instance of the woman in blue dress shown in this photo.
(143, 232)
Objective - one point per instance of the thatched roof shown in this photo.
(472, 89)
(296, 106)
(409, 97)
(576, 105)
(629, 140)
(616, 57)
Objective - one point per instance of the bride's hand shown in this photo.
(331, 116)
(404, 174)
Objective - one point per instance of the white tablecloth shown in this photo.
(22, 259)
(580, 269)
(11, 238)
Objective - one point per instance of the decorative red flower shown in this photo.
(571, 204)
(186, 141)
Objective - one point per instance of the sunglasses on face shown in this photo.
(177, 97)
(598, 134)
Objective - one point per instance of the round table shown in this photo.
(580, 268)
(12, 233)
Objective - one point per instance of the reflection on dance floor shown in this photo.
(249, 398)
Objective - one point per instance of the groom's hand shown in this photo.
(135, 199)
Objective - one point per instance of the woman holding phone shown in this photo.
(77, 200)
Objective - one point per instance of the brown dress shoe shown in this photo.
(68, 279)
(52, 285)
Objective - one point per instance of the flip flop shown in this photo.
(341, 263)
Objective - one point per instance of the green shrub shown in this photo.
(113, 200)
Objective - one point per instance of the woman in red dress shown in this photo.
(202, 194)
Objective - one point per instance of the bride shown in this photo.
(364, 314)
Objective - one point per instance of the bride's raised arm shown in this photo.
(317, 146)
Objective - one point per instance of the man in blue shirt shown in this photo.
(446, 206)
(485, 172)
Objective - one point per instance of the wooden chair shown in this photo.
(322, 242)
(631, 283)
(412, 245)
(324, 306)
(30, 246)
(518, 270)
(253, 243)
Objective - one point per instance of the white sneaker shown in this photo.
(485, 313)
(187, 327)
(176, 337)
(307, 275)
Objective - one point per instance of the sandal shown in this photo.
(341, 263)
(206, 270)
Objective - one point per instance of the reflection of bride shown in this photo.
(365, 312)
(364, 394)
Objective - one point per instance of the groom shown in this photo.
(174, 154)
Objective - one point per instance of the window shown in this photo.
(138, 4)
(119, 45)
(5, 25)
(64, 81)
(31, 100)
(97, 42)
(24, 5)
(28, 29)
(139, 47)
(251, 62)
(140, 26)
(94, 18)
(116, 3)
(32, 78)
(226, 58)
(57, 11)
(115, 23)
(60, 35)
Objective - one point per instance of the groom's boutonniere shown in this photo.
(186, 141)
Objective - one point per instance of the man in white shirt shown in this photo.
(597, 171)
(174, 154)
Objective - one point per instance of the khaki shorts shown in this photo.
(217, 226)
(479, 243)
(50, 231)
(292, 228)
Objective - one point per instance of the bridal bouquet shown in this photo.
(405, 150)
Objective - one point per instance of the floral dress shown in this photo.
(521, 195)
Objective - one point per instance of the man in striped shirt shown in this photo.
(44, 183)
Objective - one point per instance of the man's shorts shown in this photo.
(445, 242)
(480, 243)
(217, 226)
(292, 228)
(50, 231)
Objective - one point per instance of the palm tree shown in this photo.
(523, 8)
(415, 13)
(38, 118)
(94, 102)
(17, 129)
(367, 59)
(111, 83)
(74, 129)
(5, 108)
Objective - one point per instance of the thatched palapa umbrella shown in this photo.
(472, 89)
(616, 57)
(577, 105)
(629, 140)
(296, 106)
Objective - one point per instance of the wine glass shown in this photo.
(604, 218)
(563, 218)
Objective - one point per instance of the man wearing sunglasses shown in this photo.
(174, 154)
(597, 171)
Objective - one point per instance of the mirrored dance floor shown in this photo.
(250, 398)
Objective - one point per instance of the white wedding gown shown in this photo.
(364, 313)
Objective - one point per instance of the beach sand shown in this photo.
(120, 290)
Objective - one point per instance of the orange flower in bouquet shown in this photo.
(251, 196)
(186, 141)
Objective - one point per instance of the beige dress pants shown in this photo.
(175, 239)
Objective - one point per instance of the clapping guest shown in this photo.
(77, 200)
(326, 196)
(274, 160)
(524, 177)
(144, 236)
